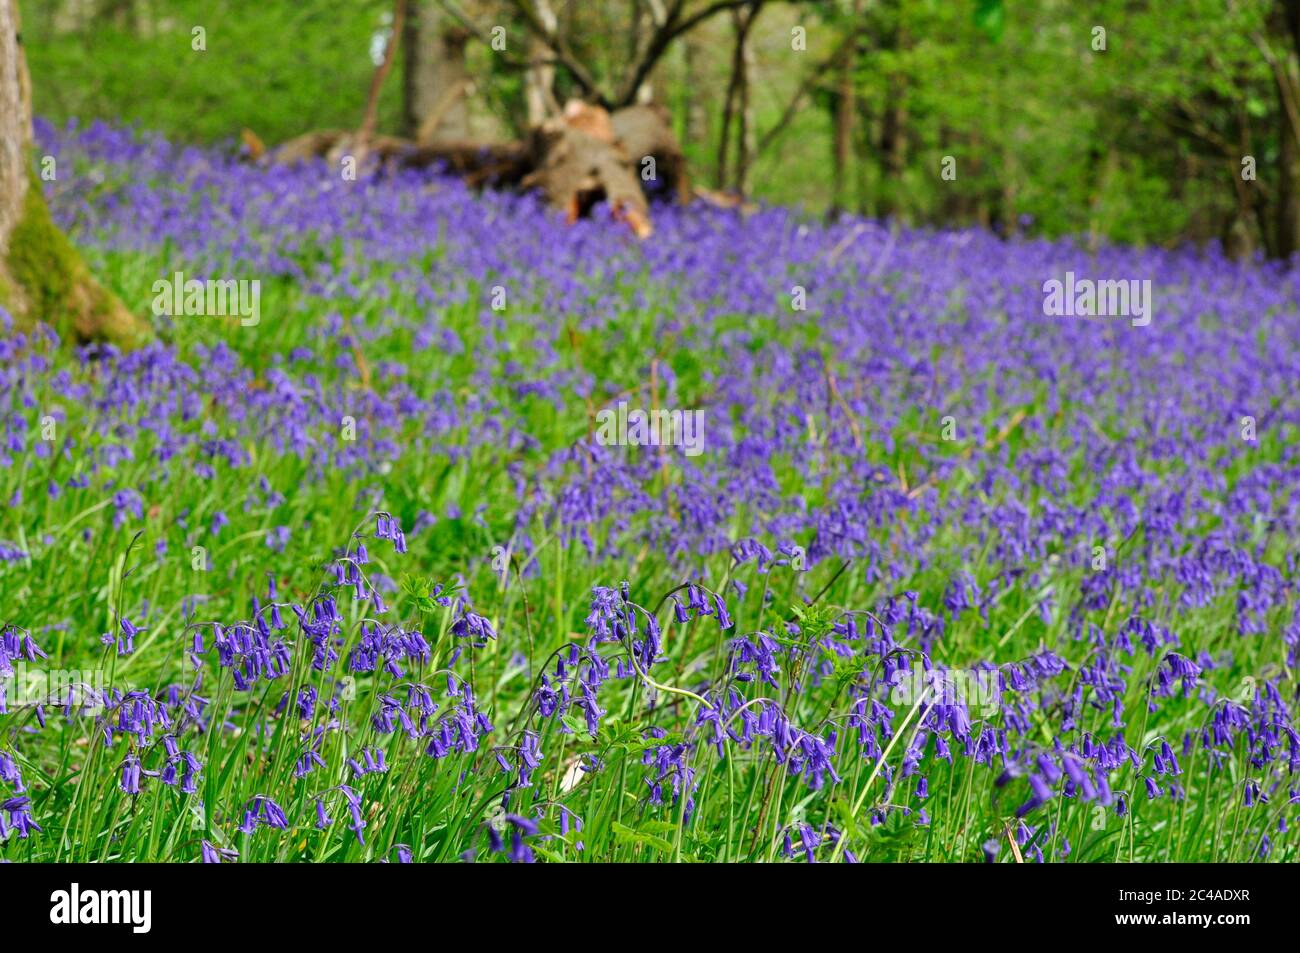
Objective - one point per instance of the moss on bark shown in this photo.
(47, 280)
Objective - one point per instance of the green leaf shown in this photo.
(626, 834)
(990, 17)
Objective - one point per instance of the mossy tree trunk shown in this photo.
(42, 278)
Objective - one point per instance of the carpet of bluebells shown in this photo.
(358, 583)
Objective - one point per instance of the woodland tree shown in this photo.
(42, 278)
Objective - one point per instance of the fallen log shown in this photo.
(576, 161)
(646, 132)
(480, 164)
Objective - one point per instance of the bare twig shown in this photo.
(429, 126)
(371, 116)
(839, 399)
(836, 58)
(564, 56)
(674, 26)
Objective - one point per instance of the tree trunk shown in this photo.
(862, 152)
(15, 124)
(746, 142)
(1287, 227)
(724, 135)
(845, 109)
(42, 278)
(436, 82)
(539, 80)
(893, 145)
(1284, 59)
(695, 106)
(642, 24)
(736, 105)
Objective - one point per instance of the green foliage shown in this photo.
(278, 68)
(1050, 135)
(990, 16)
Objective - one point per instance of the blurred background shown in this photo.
(1158, 122)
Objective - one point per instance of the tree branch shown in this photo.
(673, 27)
(484, 36)
(371, 116)
(563, 55)
(831, 62)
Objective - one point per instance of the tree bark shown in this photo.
(1287, 225)
(845, 110)
(695, 105)
(746, 142)
(893, 145)
(1284, 27)
(15, 124)
(736, 105)
(539, 80)
(646, 131)
(435, 79)
(578, 162)
(42, 278)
